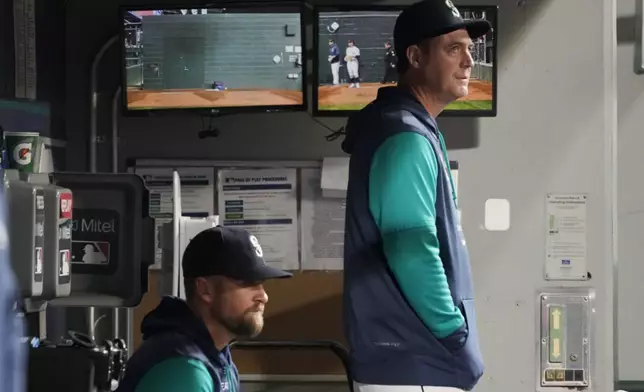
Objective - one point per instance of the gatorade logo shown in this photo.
(66, 206)
(22, 153)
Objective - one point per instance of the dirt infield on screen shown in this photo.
(341, 97)
(177, 99)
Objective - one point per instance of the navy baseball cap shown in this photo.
(230, 252)
(432, 18)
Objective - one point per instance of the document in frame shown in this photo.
(197, 196)
(263, 202)
(322, 225)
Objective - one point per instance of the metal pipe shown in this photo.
(91, 318)
(93, 135)
(129, 312)
(116, 312)
(335, 347)
(115, 130)
(93, 129)
(116, 322)
(129, 331)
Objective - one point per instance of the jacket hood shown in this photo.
(358, 122)
(351, 133)
(174, 315)
(370, 119)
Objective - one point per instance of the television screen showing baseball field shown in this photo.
(356, 56)
(212, 58)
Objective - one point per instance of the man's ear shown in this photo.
(204, 289)
(413, 54)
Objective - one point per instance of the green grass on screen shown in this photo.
(457, 105)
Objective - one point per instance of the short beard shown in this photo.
(249, 325)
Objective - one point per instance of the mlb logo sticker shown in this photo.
(66, 206)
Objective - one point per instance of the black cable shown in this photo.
(214, 132)
(209, 131)
(335, 133)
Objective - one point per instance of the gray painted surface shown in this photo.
(50, 61)
(7, 60)
(630, 87)
(222, 47)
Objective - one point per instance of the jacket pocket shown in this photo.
(456, 340)
(469, 313)
(468, 359)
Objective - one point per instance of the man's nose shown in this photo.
(468, 60)
(262, 296)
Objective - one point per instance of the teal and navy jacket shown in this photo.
(408, 295)
(178, 355)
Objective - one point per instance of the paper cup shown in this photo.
(23, 150)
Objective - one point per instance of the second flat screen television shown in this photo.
(237, 58)
(346, 34)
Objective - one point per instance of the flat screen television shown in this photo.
(233, 58)
(370, 28)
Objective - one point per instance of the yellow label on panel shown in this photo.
(557, 342)
(556, 319)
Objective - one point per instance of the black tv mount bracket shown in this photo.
(210, 130)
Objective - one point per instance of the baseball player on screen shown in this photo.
(352, 58)
(334, 60)
(390, 76)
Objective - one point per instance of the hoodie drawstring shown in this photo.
(229, 379)
(449, 169)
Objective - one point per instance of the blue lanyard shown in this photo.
(229, 379)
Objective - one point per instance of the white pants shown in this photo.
(335, 71)
(352, 69)
(357, 387)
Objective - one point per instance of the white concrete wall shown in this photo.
(630, 100)
(553, 134)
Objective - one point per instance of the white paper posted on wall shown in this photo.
(263, 202)
(566, 237)
(197, 195)
(322, 225)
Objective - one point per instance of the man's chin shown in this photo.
(256, 325)
(249, 327)
(461, 92)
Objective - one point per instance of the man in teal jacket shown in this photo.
(186, 343)
(408, 292)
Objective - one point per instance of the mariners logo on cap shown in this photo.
(256, 246)
(453, 8)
